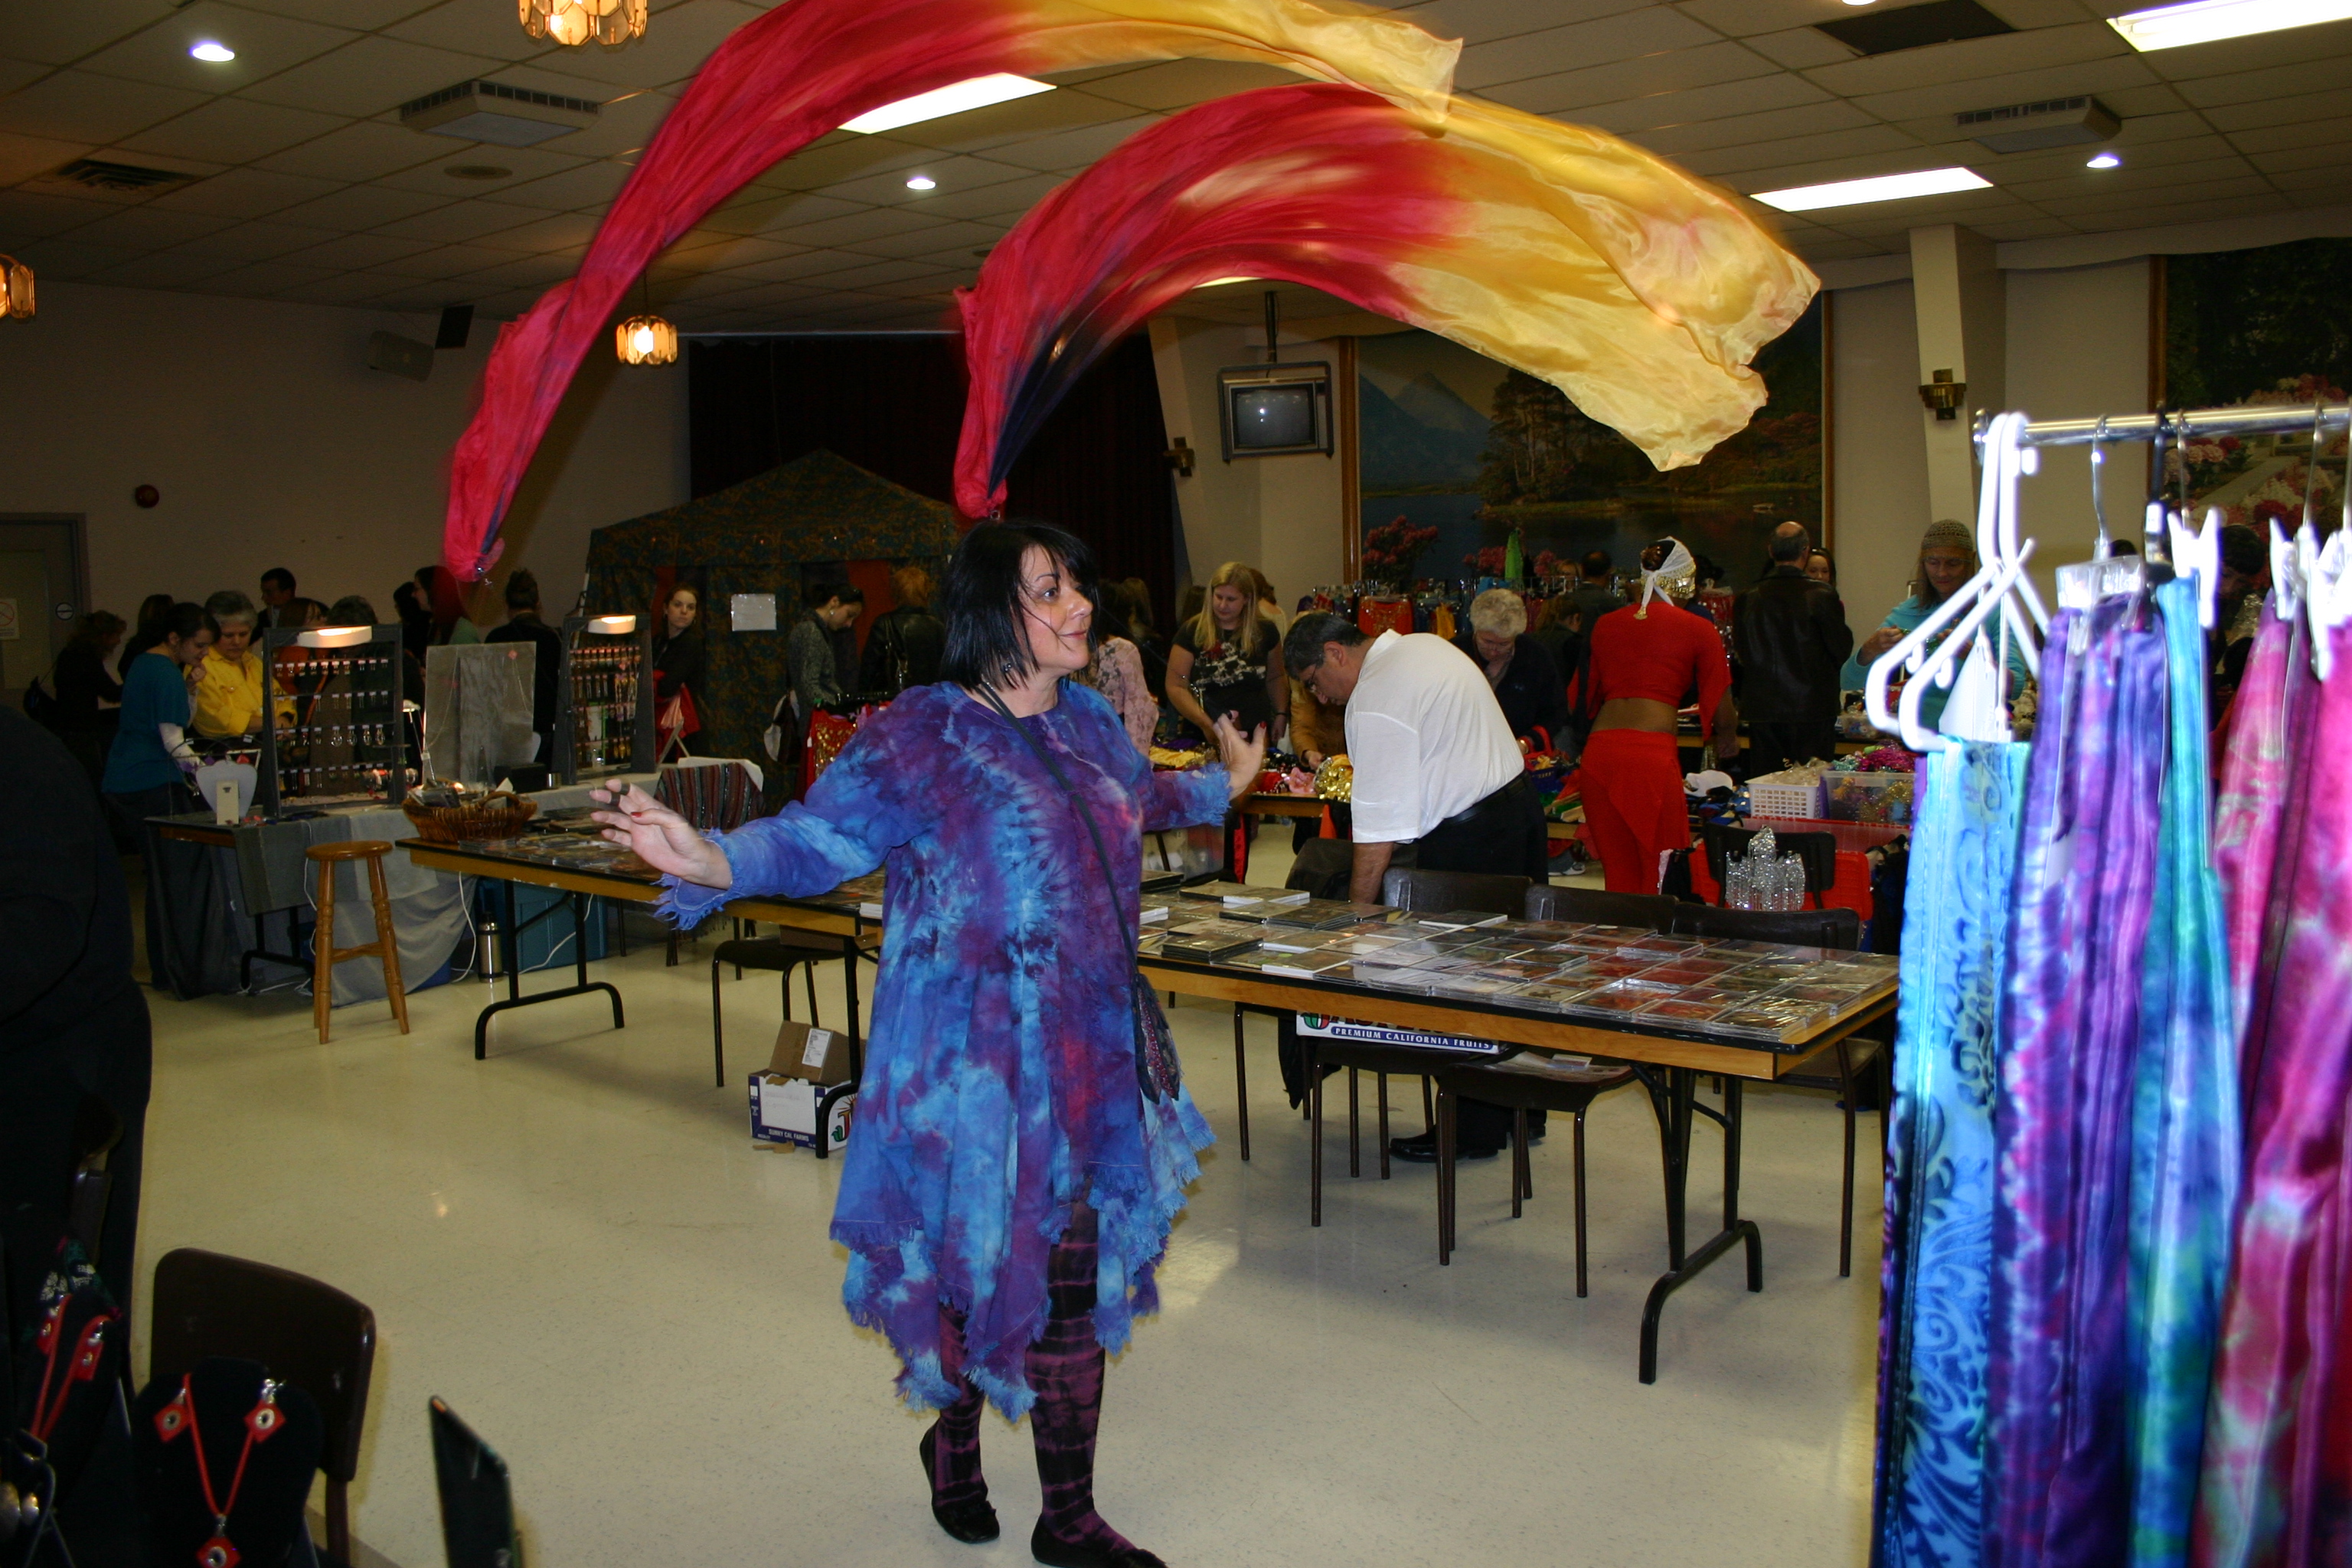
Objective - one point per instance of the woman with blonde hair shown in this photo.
(1225, 659)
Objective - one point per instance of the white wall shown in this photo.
(274, 443)
(1282, 515)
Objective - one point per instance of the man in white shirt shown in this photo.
(1435, 761)
(1437, 774)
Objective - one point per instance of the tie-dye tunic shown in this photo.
(1000, 1083)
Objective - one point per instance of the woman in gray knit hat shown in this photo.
(1948, 558)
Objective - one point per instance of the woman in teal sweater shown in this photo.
(144, 774)
(1948, 558)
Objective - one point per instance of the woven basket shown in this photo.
(498, 814)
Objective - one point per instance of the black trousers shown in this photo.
(1501, 836)
(1776, 744)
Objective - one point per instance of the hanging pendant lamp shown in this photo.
(16, 288)
(573, 22)
(645, 339)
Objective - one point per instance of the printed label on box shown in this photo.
(819, 1042)
(1390, 1034)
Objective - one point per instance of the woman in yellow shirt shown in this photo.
(227, 686)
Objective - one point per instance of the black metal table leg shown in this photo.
(511, 938)
(1676, 1114)
(849, 955)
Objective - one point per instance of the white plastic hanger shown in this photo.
(2000, 584)
(1977, 709)
(2328, 594)
(2197, 554)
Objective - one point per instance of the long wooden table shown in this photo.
(1671, 1061)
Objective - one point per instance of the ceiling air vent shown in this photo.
(1914, 27)
(2030, 127)
(100, 175)
(493, 112)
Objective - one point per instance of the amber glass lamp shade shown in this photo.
(646, 339)
(16, 288)
(572, 22)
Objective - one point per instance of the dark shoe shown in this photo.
(1059, 1553)
(972, 1520)
(1425, 1153)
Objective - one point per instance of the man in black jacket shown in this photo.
(1791, 639)
(73, 1021)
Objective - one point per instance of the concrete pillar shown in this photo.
(1960, 304)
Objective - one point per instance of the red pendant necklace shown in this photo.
(261, 1424)
(81, 1368)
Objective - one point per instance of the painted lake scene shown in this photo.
(1454, 441)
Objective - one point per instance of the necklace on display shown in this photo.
(261, 1422)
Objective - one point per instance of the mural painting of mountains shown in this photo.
(1423, 437)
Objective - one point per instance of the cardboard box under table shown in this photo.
(807, 1085)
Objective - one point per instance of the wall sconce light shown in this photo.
(1944, 395)
(16, 288)
(1179, 458)
(611, 23)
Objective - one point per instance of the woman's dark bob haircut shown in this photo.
(981, 599)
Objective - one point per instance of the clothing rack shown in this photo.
(2177, 424)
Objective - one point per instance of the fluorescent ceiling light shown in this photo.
(333, 636)
(217, 54)
(1884, 188)
(2202, 21)
(2103, 160)
(978, 93)
(613, 626)
(922, 182)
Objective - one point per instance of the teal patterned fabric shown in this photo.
(1936, 1274)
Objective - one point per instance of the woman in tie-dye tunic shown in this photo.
(1000, 1080)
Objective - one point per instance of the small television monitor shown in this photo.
(1268, 410)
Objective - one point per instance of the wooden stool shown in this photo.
(385, 947)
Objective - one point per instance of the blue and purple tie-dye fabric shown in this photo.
(1000, 1083)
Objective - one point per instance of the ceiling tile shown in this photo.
(2024, 228)
(1972, 58)
(265, 44)
(161, 271)
(2100, 76)
(365, 15)
(71, 259)
(2289, 159)
(362, 150)
(2300, 133)
(2278, 81)
(74, 106)
(22, 157)
(2326, 180)
(952, 172)
(356, 250)
(234, 131)
(15, 74)
(624, 124)
(58, 31)
(254, 242)
(1752, 96)
(1179, 84)
(1807, 119)
(567, 233)
(1652, 30)
(538, 273)
(856, 157)
(369, 76)
(2136, 175)
(2160, 98)
(1008, 200)
(30, 215)
(2286, 49)
(350, 288)
(263, 278)
(1003, 124)
(2304, 106)
(589, 184)
(523, 165)
(444, 261)
(470, 27)
(461, 221)
(151, 229)
(1800, 48)
(1071, 150)
(243, 194)
(1800, 150)
(813, 264)
(957, 239)
(359, 207)
(674, 45)
(1563, 94)
(777, 214)
(2091, 203)
(850, 228)
(871, 273)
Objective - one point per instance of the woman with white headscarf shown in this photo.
(1646, 659)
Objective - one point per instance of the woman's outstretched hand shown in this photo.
(1245, 758)
(660, 837)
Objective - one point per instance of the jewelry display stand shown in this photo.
(603, 723)
(348, 741)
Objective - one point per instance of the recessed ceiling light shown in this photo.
(219, 54)
(1858, 1)
(977, 93)
(2202, 21)
(2103, 160)
(922, 182)
(477, 172)
(1884, 188)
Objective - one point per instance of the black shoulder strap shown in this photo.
(1077, 802)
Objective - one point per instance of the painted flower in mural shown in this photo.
(1390, 550)
(2301, 389)
(2208, 463)
(1548, 565)
(1486, 563)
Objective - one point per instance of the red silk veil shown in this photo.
(802, 70)
(1557, 250)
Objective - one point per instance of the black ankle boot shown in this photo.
(1055, 1552)
(972, 1520)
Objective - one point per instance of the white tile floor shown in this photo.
(577, 1244)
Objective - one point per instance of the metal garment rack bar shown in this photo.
(2174, 424)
